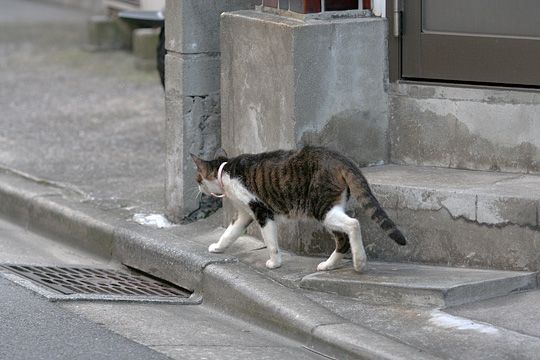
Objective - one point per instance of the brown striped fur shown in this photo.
(307, 182)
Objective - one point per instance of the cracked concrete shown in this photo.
(465, 128)
(457, 217)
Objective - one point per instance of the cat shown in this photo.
(312, 182)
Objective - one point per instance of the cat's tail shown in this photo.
(360, 189)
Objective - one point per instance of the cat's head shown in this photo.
(207, 172)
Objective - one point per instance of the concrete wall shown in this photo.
(288, 82)
(192, 72)
(466, 128)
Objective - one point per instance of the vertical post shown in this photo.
(323, 6)
(192, 94)
(396, 28)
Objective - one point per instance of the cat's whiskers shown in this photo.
(195, 192)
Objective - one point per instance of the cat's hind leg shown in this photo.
(265, 218)
(270, 235)
(337, 220)
(232, 233)
(342, 246)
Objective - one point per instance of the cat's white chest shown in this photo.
(238, 193)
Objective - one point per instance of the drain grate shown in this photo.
(78, 282)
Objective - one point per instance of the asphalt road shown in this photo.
(33, 328)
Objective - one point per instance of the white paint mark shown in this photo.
(379, 8)
(448, 321)
(154, 220)
(376, 163)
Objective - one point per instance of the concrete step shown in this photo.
(457, 217)
(421, 285)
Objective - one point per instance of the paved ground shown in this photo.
(90, 122)
(67, 114)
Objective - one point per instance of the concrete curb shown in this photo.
(223, 281)
(246, 294)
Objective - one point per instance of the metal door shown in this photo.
(474, 41)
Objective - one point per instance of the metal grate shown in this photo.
(105, 283)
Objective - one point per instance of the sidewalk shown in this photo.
(82, 153)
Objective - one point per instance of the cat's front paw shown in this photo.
(359, 262)
(214, 248)
(326, 265)
(273, 263)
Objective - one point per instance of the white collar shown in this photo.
(220, 180)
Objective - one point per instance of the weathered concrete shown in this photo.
(193, 126)
(364, 344)
(248, 297)
(192, 332)
(145, 43)
(457, 217)
(466, 128)
(192, 95)
(419, 284)
(519, 312)
(107, 33)
(193, 25)
(438, 332)
(288, 82)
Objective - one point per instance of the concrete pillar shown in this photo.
(288, 82)
(192, 96)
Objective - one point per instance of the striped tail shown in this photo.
(361, 191)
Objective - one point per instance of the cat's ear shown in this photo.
(220, 153)
(200, 163)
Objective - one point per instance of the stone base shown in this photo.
(106, 33)
(145, 42)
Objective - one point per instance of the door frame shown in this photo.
(394, 43)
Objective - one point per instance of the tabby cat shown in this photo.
(312, 182)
